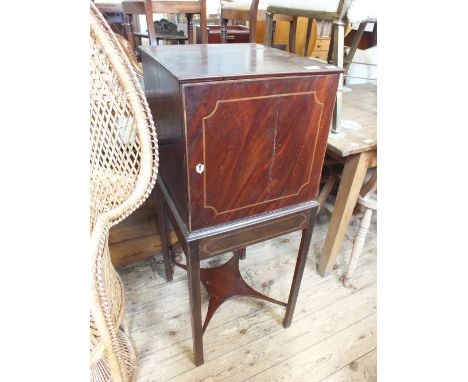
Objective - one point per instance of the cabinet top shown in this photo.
(205, 62)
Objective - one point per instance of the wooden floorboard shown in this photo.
(332, 336)
(360, 369)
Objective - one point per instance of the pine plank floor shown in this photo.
(332, 337)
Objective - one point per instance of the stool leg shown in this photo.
(193, 274)
(163, 233)
(299, 270)
(269, 29)
(358, 244)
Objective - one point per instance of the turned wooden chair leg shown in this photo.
(358, 244)
(129, 28)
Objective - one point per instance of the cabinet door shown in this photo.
(255, 145)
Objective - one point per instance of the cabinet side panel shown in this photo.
(261, 143)
(164, 99)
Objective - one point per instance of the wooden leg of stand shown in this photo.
(241, 253)
(193, 273)
(164, 235)
(299, 270)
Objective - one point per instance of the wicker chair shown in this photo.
(123, 161)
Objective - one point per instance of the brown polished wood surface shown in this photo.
(262, 143)
(202, 62)
(256, 118)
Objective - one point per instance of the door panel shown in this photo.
(258, 142)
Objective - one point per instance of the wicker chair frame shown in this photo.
(123, 170)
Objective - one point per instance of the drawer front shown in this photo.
(322, 44)
(255, 145)
(321, 55)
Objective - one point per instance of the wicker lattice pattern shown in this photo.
(123, 168)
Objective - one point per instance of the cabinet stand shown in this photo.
(225, 282)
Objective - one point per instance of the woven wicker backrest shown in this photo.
(123, 168)
(123, 141)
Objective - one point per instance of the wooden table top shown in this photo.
(232, 61)
(359, 105)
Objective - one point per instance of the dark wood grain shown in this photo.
(259, 152)
(163, 95)
(261, 140)
(233, 61)
(236, 240)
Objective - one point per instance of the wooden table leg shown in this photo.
(353, 176)
(164, 234)
(299, 270)
(193, 274)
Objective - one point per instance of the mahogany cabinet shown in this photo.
(242, 132)
(242, 128)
